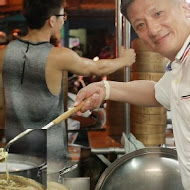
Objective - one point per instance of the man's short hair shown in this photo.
(37, 12)
(124, 5)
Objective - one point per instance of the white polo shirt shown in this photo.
(173, 92)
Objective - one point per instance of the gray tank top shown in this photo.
(29, 103)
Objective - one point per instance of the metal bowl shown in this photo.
(144, 169)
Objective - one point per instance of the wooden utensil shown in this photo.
(56, 121)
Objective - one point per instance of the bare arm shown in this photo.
(66, 59)
(139, 92)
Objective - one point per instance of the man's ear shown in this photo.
(51, 21)
(186, 8)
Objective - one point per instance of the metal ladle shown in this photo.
(56, 121)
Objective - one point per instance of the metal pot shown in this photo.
(144, 169)
(79, 183)
(25, 166)
(56, 174)
(66, 177)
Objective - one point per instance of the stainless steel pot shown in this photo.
(79, 183)
(25, 166)
(65, 178)
(144, 169)
(54, 173)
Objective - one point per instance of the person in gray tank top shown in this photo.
(32, 77)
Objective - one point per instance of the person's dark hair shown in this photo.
(124, 5)
(37, 12)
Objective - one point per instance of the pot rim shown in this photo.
(34, 162)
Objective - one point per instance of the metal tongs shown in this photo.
(56, 121)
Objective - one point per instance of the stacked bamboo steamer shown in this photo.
(148, 124)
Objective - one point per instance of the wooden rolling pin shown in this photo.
(65, 115)
(56, 121)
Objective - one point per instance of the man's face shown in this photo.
(161, 24)
(59, 21)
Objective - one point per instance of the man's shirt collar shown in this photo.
(182, 54)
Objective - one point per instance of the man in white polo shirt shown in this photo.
(173, 92)
(165, 27)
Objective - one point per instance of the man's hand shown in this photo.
(129, 55)
(96, 92)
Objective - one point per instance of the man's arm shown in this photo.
(66, 59)
(139, 92)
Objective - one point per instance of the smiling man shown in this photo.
(164, 26)
(158, 26)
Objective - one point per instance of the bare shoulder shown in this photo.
(61, 51)
(60, 55)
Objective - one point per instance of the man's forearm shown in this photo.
(139, 92)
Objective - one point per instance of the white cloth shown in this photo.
(131, 144)
(173, 92)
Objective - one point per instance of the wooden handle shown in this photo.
(68, 113)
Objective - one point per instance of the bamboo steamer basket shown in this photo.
(145, 129)
(149, 62)
(160, 119)
(148, 110)
(148, 124)
(146, 59)
(149, 128)
(146, 76)
(139, 46)
(151, 139)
